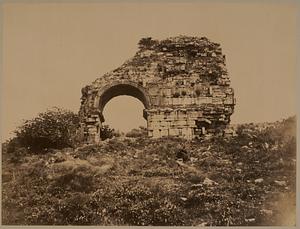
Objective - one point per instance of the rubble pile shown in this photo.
(182, 82)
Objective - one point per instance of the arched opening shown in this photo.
(114, 92)
(124, 113)
(130, 89)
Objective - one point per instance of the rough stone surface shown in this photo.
(182, 82)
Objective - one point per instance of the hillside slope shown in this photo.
(248, 179)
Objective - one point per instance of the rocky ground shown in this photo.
(248, 179)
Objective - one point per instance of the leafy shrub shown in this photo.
(135, 133)
(146, 42)
(11, 145)
(54, 128)
(106, 132)
(13, 151)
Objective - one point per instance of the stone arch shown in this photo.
(118, 88)
(182, 82)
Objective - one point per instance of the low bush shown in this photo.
(54, 128)
(136, 133)
(106, 133)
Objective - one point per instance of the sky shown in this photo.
(51, 50)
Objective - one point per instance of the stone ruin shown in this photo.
(182, 82)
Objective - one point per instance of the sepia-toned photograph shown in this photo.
(149, 113)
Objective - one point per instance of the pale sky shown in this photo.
(51, 50)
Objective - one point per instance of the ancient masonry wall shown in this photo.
(182, 82)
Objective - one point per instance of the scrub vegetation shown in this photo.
(246, 179)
